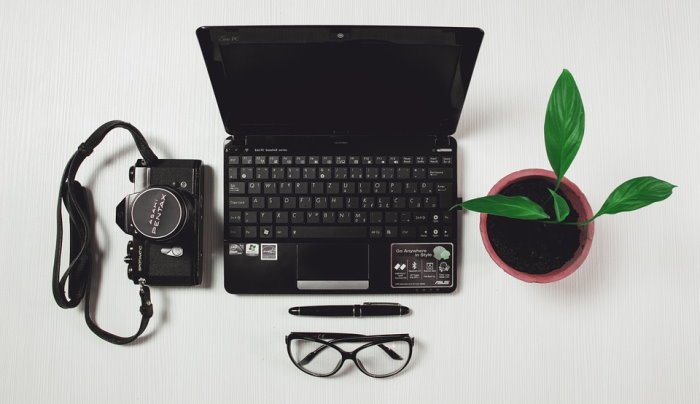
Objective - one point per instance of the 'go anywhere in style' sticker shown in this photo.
(429, 265)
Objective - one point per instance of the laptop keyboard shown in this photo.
(340, 197)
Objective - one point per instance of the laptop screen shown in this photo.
(352, 80)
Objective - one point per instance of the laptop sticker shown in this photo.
(428, 265)
(252, 250)
(236, 249)
(268, 252)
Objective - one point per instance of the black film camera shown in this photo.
(164, 214)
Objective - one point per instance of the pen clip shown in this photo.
(380, 304)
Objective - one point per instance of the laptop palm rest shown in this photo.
(324, 266)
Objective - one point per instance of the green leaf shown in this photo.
(514, 207)
(635, 194)
(564, 124)
(561, 208)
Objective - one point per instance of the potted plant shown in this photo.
(536, 224)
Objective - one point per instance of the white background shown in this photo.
(624, 328)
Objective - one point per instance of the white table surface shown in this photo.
(624, 328)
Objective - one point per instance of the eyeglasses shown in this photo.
(320, 354)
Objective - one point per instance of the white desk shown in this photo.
(624, 328)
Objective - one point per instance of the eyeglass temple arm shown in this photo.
(308, 358)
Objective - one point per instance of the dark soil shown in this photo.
(531, 246)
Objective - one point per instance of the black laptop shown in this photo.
(340, 167)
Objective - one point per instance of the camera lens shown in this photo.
(158, 213)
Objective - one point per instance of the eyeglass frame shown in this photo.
(320, 337)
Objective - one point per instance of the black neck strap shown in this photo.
(78, 276)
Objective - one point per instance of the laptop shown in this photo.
(340, 164)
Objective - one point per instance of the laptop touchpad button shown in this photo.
(333, 266)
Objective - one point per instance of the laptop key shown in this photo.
(247, 160)
(341, 173)
(407, 232)
(250, 232)
(281, 217)
(269, 188)
(364, 187)
(390, 231)
(336, 202)
(375, 232)
(257, 202)
(233, 173)
(245, 173)
(254, 188)
(439, 173)
(265, 217)
(235, 217)
(347, 188)
(281, 231)
(419, 173)
(240, 202)
(262, 173)
(260, 160)
(324, 173)
(320, 202)
(285, 187)
(328, 217)
(301, 188)
(356, 173)
(344, 218)
(277, 173)
(289, 202)
(236, 188)
(297, 217)
(359, 217)
(447, 232)
(329, 231)
(316, 188)
(399, 202)
(332, 187)
(293, 173)
(250, 217)
(274, 202)
(305, 202)
(372, 173)
(235, 231)
(308, 173)
(266, 232)
(313, 217)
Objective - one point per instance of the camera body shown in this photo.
(164, 216)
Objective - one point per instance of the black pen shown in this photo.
(355, 310)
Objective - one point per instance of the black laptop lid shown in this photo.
(303, 80)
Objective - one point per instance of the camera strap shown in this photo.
(78, 275)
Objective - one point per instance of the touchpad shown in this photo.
(333, 266)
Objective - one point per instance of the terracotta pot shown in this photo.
(577, 201)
